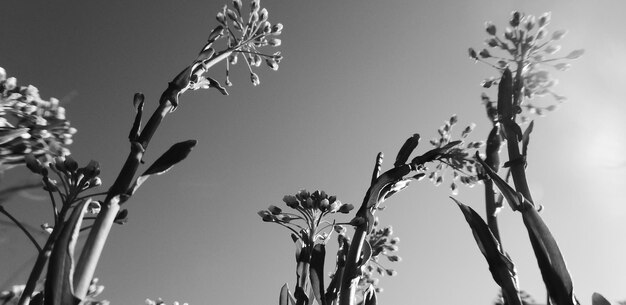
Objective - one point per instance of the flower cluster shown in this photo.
(246, 35)
(74, 180)
(457, 156)
(382, 244)
(29, 124)
(310, 225)
(528, 50)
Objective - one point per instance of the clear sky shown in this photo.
(358, 77)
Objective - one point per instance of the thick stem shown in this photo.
(490, 203)
(96, 240)
(347, 293)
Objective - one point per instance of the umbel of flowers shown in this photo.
(30, 124)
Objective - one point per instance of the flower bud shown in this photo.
(274, 210)
(291, 201)
(33, 164)
(70, 164)
(274, 42)
(556, 35)
(490, 28)
(277, 29)
(254, 78)
(346, 208)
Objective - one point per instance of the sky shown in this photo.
(358, 78)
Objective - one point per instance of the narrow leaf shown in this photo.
(317, 273)
(494, 143)
(138, 102)
(407, 148)
(526, 137)
(514, 199)
(165, 162)
(501, 267)
(549, 258)
(505, 95)
(59, 288)
(283, 299)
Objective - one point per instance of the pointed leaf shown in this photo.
(59, 289)
(501, 267)
(515, 200)
(505, 95)
(317, 273)
(407, 148)
(494, 143)
(165, 162)
(526, 138)
(215, 84)
(549, 258)
(138, 102)
(283, 299)
(598, 299)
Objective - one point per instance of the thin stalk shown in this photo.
(19, 225)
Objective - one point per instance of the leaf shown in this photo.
(494, 142)
(58, 285)
(138, 102)
(216, 33)
(500, 265)
(8, 134)
(407, 148)
(317, 273)
(550, 260)
(165, 162)
(505, 95)
(515, 200)
(526, 138)
(598, 299)
(285, 295)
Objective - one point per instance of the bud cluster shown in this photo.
(457, 156)
(383, 245)
(246, 35)
(29, 124)
(309, 224)
(72, 179)
(528, 49)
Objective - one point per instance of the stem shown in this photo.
(90, 255)
(490, 203)
(19, 224)
(41, 261)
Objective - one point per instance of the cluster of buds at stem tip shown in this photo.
(30, 124)
(455, 155)
(528, 49)
(72, 179)
(309, 223)
(246, 35)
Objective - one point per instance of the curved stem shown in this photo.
(19, 225)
